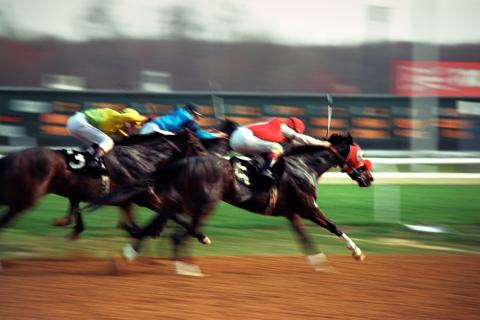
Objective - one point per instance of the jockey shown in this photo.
(264, 138)
(179, 118)
(93, 126)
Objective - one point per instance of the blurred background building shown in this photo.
(420, 53)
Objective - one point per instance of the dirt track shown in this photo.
(384, 287)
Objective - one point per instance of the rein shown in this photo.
(171, 144)
(344, 161)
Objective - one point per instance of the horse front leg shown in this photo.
(199, 214)
(202, 238)
(317, 260)
(182, 265)
(79, 226)
(156, 225)
(317, 216)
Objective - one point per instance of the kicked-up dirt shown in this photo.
(383, 287)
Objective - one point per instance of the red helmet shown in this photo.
(296, 124)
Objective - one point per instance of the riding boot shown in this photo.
(266, 169)
(95, 163)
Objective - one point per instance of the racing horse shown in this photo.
(215, 146)
(30, 174)
(195, 185)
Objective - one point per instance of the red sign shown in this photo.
(436, 78)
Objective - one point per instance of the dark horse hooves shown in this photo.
(133, 230)
(74, 235)
(61, 222)
(128, 226)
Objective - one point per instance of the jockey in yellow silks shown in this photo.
(93, 126)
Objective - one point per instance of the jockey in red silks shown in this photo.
(264, 138)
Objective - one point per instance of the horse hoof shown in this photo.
(319, 262)
(359, 257)
(73, 236)
(61, 222)
(113, 268)
(204, 240)
(187, 269)
(129, 253)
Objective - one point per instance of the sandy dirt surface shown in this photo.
(383, 287)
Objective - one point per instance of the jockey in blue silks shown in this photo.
(178, 119)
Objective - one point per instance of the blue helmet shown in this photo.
(194, 109)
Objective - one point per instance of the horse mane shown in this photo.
(209, 143)
(302, 149)
(227, 126)
(334, 139)
(338, 138)
(142, 138)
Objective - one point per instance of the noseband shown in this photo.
(343, 160)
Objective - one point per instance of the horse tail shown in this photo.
(122, 194)
(127, 191)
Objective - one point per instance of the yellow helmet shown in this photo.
(132, 115)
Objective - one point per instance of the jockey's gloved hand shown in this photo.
(220, 134)
(323, 143)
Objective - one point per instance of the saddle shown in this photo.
(78, 161)
(247, 171)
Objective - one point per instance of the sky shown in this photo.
(299, 22)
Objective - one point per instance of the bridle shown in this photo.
(356, 172)
(344, 161)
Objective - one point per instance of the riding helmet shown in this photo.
(194, 109)
(132, 116)
(296, 124)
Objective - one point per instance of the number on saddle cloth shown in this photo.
(77, 162)
(246, 171)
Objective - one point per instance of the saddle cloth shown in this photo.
(247, 170)
(77, 161)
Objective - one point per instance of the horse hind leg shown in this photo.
(68, 218)
(79, 226)
(315, 259)
(131, 251)
(13, 210)
(127, 219)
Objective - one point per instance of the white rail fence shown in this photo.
(426, 176)
(411, 177)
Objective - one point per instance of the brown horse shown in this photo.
(195, 185)
(28, 175)
(215, 146)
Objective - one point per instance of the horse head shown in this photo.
(227, 126)
(221, 146)
(350, 159)
(194, 145)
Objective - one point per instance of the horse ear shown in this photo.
(349, 138)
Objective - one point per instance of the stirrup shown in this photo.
(268, 174)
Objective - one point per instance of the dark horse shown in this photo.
(28, 175)
(195, 185)
(215, 146)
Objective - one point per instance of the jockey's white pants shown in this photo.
(244, 141)
(79, 127)
(151, 127)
